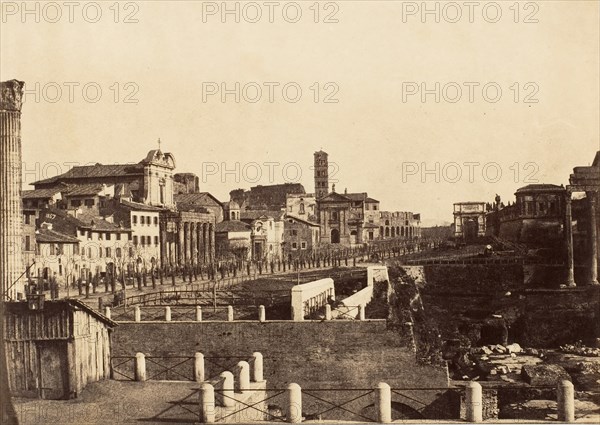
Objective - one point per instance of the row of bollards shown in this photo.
(565, 402)
(137, 313)
(243, 372)
(474, 403)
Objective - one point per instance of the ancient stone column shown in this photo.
(593, 239)
(193, 243)
(180, 243)
(11, 216)
(570, 282)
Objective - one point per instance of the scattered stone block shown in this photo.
(486, 351)
(500, 348)
(544, 374)
(514, 348)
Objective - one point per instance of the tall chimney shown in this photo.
(11, 261)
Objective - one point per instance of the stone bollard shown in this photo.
(228, 391)
(474, 404)
(107, 312)
(138, 314)
(294, 403)
(257, 369)
(199, 367)
(327, 312)
(383, 403)
(230, 313)
(361, 312)
(242, 378)
(198, 313)
(167, 314)
(566, 401)
(262, 316)
(140, 367)
(207, 403)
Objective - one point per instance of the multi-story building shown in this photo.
(185, 228)
(300, 236)
(91, 245)
(267, 233)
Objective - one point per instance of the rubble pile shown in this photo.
(580, 349)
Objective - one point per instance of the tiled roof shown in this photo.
(96, 171)
(40, 193)
(203, 199)
(140, 207)
(98, 223)
(356, 196)
(371, 200)
(540, 187)
(301, 220)
(84, 189)
(231, 226)
(255, 214)
(52, 236)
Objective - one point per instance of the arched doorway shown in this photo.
(470, 229)
(353, 237)
(335, 236)
(399, 411)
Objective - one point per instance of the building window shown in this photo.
(52, 249)
(302, 208)
(107, 236)
(130, 252)
(374, 207)
(89, 203)
(27, 243)
(82, 232)
(118, 252)
(303, 245)
(148, 221)
(142, 219)
(100, 236)
(75, 203)
(155, 240)
(156, 221)
(134, 219)
(100, 252)
(370, 236)
(118, 236)
(26, 217)
(334, 215)
(108, 253)
(294, 232)
(143, 240)
(90, 252)
(89, 235)
(294, 245)
(59, 249)
(135, 240)
(76, 249)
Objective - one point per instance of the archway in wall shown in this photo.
(353, 237)
(335, 236)
(399, 411)
(470, 229)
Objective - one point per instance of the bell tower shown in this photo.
(321, 174)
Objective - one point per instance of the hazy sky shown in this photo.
(374, 61)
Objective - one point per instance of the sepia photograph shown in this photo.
(309, 211)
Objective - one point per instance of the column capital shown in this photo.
(11, 95)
